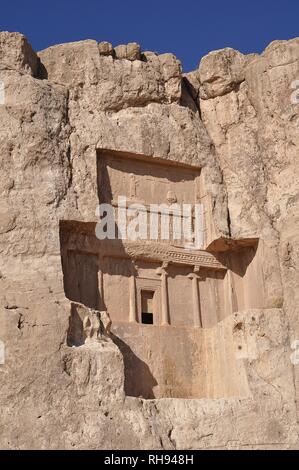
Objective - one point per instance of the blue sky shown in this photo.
(189, 29)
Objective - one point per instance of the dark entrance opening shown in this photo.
(147, 314)
(147, 318)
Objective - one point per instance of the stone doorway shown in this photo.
(147, 307)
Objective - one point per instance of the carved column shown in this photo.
(162, 272)
(133, 304)
(196, 297)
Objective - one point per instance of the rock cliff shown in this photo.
(237, 117)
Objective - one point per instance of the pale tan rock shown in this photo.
(194, 84)
(220, 72)
(130, 51)
(255, 132)
(234, 118)
(105, 48)
(17, 54)
(118, 84)
(121, 51)
(133, 51)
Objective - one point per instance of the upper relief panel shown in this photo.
(143, 181)
(160, 188)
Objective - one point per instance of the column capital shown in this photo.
(196, 269)
(162, 269)
(134, 265)
(197, 272)
(192, 276)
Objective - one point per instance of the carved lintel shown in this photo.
(158, 251)
(146, 250)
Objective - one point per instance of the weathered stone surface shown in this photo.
(130, 51)
(118, 83)
(234, 118)
(105, 48)
(17, 54)
(255, 131)
(220, 72)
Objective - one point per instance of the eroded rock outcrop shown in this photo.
(234, 118)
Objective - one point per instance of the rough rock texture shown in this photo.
(254, 125)
(233, 117)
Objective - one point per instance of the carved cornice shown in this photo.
(164, 253)
(84, 239)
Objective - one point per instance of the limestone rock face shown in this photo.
(254, 127)
(105, 48)
(129, 51)
(220, 72)
(237, 118)
(17, 54)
